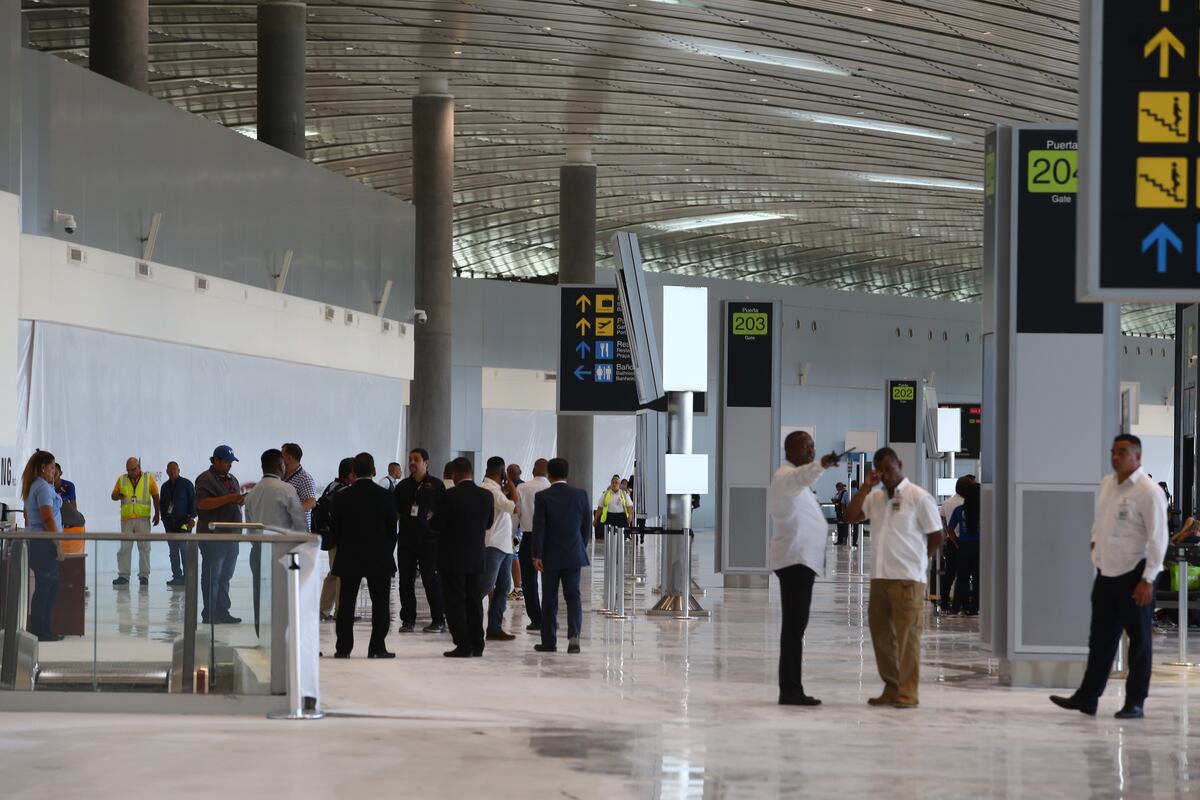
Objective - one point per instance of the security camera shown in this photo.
(419, 316)
(66, 220)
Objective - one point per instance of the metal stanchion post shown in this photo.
(618, 604)
(606, 604)
(1183, 611)
(295, 709)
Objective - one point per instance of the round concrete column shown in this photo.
(577, 264)
(281, 75)
(433, 199)
(119, 43)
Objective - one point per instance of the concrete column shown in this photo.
(120, 41)
(433, 197)
(281, 75)
(577, 264)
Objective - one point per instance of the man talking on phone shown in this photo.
(797, 554)
(906, 530)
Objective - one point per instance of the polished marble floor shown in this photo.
(650, 709)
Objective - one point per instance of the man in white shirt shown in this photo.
(797, 555)
(905, 532)
(1129, 541)
(529, 576)
(497, 573)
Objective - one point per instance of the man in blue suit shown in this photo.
(562, 522)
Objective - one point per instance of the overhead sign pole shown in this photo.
(1139, 220)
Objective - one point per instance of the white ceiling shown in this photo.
(853, 129)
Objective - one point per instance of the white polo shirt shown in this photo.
(801, 530)
(900, 525)
(1130, 524)
(500, 535)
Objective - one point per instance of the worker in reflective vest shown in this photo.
(616, 506)
(136, 491)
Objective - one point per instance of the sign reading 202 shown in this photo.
(749, 323)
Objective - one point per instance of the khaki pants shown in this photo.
(134, 527)
(896, 615)
(331, 586)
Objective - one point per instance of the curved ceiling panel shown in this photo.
(815, 142)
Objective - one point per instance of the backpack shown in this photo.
(322, 515)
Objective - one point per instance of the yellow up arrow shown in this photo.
(583, 325)
(1164, 42)
(1164, 6)
(583, 301)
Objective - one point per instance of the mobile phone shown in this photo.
(840, 456)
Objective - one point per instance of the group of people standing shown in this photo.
(460, 537)
(1128, 544)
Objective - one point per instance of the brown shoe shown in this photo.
(500, 636)
(884, 699)
(905, 702)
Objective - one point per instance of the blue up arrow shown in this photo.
(583, 349)
(580, 372)
(1162, 236)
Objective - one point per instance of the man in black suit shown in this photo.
(562, 522)
(462, 520)
(363, 523)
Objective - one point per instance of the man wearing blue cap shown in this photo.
(218, 499)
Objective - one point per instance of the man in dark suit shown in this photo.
(562, 522)
(462, 520)
(363, 523)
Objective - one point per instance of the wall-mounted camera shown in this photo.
(419, 316)
(67, 221)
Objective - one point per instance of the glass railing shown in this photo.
(82, 624)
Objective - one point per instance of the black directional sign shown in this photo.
(595, 367)
(1140, 141)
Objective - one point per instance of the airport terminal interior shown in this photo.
(861, 332)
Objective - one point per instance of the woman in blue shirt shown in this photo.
(43, 512)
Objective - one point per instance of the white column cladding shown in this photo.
(10, 298)
(1050, 376)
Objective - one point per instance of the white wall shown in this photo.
(105, 294)
(95, 398)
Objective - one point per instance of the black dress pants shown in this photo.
(419, 553)
(795, 593)
(948, 564)
(1113, 611)
(966, 584)
(379, 587)
(464, 609)
(529, 581)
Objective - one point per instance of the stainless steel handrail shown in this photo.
(270, 535)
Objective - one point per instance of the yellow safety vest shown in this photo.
(135, 503)
(604, 504)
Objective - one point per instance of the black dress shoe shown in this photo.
(229, 619)
(341, 655)
(545, 648)
(1127, 712)
(458, 652)
(532, 628)
(798, 700)
(381, 654)
(144, 581)
(434, 627)
(1074, 704)
(57, 637)
(406, 627)
(476, 654)
(573, 648)
(121, 581)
